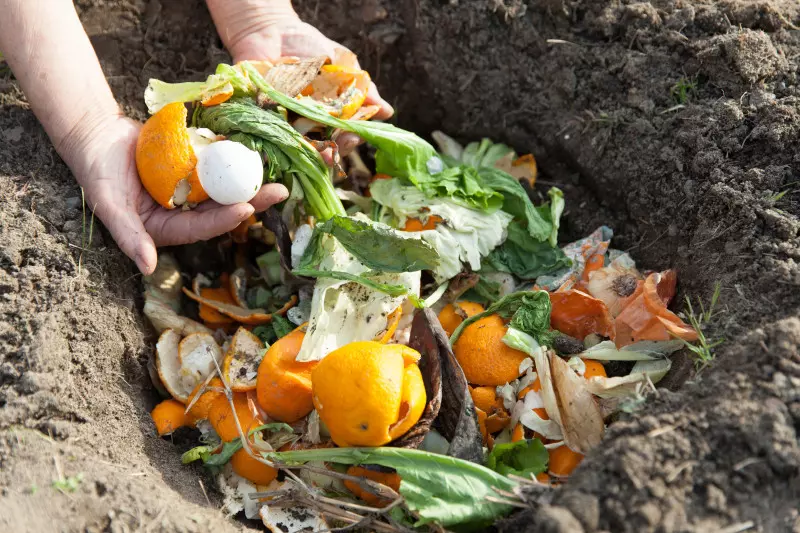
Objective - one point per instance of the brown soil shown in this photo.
(586, 85)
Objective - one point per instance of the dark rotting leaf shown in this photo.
(283, 243)
(457, 420)
(423, 339)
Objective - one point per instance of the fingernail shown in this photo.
(141, 264)
(282, 194)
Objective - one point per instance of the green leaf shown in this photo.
(517, 202)
(440, 489)
(287, 152)
(386, 288)
(556, 209)
(485, 291)
(281, 326)
(485, 153)
(522, 458)
(464, 185)
(269, 264)
(380, 247)
(198, 453)
(210, 459)
(400, 152)
(524, 256)
(529, 312)
(266, 333)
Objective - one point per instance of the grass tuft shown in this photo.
(68, 484)
(702, 352)
(683, 89)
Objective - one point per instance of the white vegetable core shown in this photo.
(229, 172)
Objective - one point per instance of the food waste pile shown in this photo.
(402, 343)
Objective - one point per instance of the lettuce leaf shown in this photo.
(463, 185)
(380, 247)
(465, 235)
(344, 311)
(386, 288)
(439, 489)
(226, 79)
(522, 458)
(517, 203)
(524, 256)
(400, 152)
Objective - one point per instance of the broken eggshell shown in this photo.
(230, 172)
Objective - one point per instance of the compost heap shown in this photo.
(403, 347)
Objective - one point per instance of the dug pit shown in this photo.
(675, 123)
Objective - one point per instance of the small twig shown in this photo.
(378, 489)
(517, 504)
(747, 462)
(738, 528)
(203, 488)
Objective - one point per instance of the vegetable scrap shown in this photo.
(402, 344)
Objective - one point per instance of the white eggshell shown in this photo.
(229, 172)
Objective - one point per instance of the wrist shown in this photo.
(78, 147)
(236, 20)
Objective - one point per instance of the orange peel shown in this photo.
(368, 393)
(242, 360)
(237, 286)
(391, 325)
(342, 90)
(222, 418)
(452, 315)
(252, 317)
(390, 479)
(646, 316)
(169, 416)
(166, 160)
(184, 363)
(252, 469)
(484, 357)
(578, 314)
(283, 384)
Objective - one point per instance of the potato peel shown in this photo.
(581, 419)
(237, 285)
(163, 317)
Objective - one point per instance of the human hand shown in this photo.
(271, 30)
(104, 163)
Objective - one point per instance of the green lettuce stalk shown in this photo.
(287, 151)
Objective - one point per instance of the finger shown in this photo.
(374, 98)
(347, 142)
(131, 236)
(173, 227)
(269, 195)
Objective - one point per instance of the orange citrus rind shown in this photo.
(252, 317)
(166, 159)
(367, 393)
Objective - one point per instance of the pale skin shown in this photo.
(53, 60)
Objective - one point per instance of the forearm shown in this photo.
(55, 64)
(236, 19)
